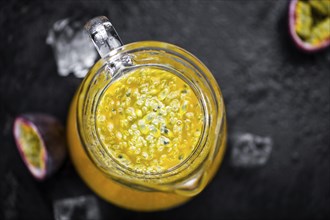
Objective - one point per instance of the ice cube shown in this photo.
(73, 50)
(249, 150)
(82, 207)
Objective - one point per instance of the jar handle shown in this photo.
(103, 35)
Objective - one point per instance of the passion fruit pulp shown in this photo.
(309, 24)
(41, 142)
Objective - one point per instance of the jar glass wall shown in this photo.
(139, 190)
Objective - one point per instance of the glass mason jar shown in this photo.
(104, 174)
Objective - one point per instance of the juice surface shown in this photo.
(149, 120)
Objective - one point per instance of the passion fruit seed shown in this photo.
(40, 141)
(322, 6)
(320, 32)
(303, 19)
(309, 22)
(32, 146)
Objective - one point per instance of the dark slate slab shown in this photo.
(270, 89)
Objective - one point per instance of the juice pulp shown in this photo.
(174, 130)
(32, 147)
(149, 120)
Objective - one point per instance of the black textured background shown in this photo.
(270, 89)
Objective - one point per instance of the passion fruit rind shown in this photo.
(309, 24)
(40, 139)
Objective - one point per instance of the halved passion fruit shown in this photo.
(41, 142)
(309, 24)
